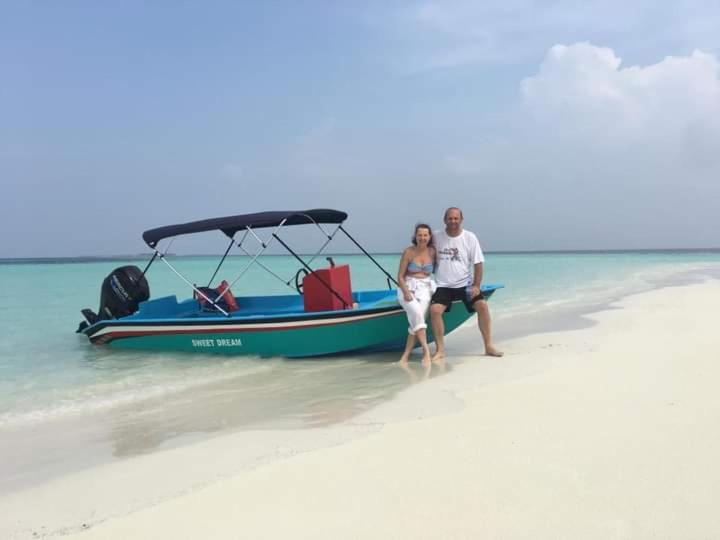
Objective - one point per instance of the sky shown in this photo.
(553, 125)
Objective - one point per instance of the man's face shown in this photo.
(453, 221)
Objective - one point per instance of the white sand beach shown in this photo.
(609, 431)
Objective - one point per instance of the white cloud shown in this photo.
(583, 90)
(627, 155)
(582, 106)
(450, 34)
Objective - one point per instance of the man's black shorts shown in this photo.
(446, 296)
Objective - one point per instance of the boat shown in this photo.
(322, 316)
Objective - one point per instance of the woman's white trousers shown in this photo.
(416, 309)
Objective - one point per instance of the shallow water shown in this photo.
(66, 404)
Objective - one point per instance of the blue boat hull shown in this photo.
(267, 326)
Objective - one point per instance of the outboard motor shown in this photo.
(121, 293)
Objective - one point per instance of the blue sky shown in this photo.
(553, 126)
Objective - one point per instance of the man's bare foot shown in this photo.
(492, 351)
(439, 356)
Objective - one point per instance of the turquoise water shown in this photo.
(49, 373)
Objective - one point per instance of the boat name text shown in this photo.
(217, 342)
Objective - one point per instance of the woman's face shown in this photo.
(422, 236)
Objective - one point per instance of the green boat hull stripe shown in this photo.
(296, 338)
(233, 326)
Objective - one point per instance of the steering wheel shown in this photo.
(298, 282)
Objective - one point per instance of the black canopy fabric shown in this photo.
(231, 224)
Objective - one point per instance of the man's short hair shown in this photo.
(453, 208)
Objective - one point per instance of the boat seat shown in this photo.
(166, 307)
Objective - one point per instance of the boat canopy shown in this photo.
(232, 224)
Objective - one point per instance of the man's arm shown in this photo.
(477, 258)
(477, 278)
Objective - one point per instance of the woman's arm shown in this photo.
(402, 270)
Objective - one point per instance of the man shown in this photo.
(458, 251)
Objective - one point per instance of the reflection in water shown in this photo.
(293, 394)
(247, 394)
(419, 372)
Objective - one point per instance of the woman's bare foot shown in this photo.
(426, 359)
(492, 351)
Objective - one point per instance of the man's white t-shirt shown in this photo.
(456, 257)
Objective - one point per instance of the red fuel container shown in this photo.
(317, 297)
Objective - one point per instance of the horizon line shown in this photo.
(143, 256)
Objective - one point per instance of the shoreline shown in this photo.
(232, 453)
(81, 441)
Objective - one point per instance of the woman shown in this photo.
(416, 288)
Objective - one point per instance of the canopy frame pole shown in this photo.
(319, 251)
(329, 239)
(326, 285)
(194, 288)
(317, 225)
(264, 267)
(261, 265)
(147, 267)
(230, 245)
(264, 246)
(390, 278)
